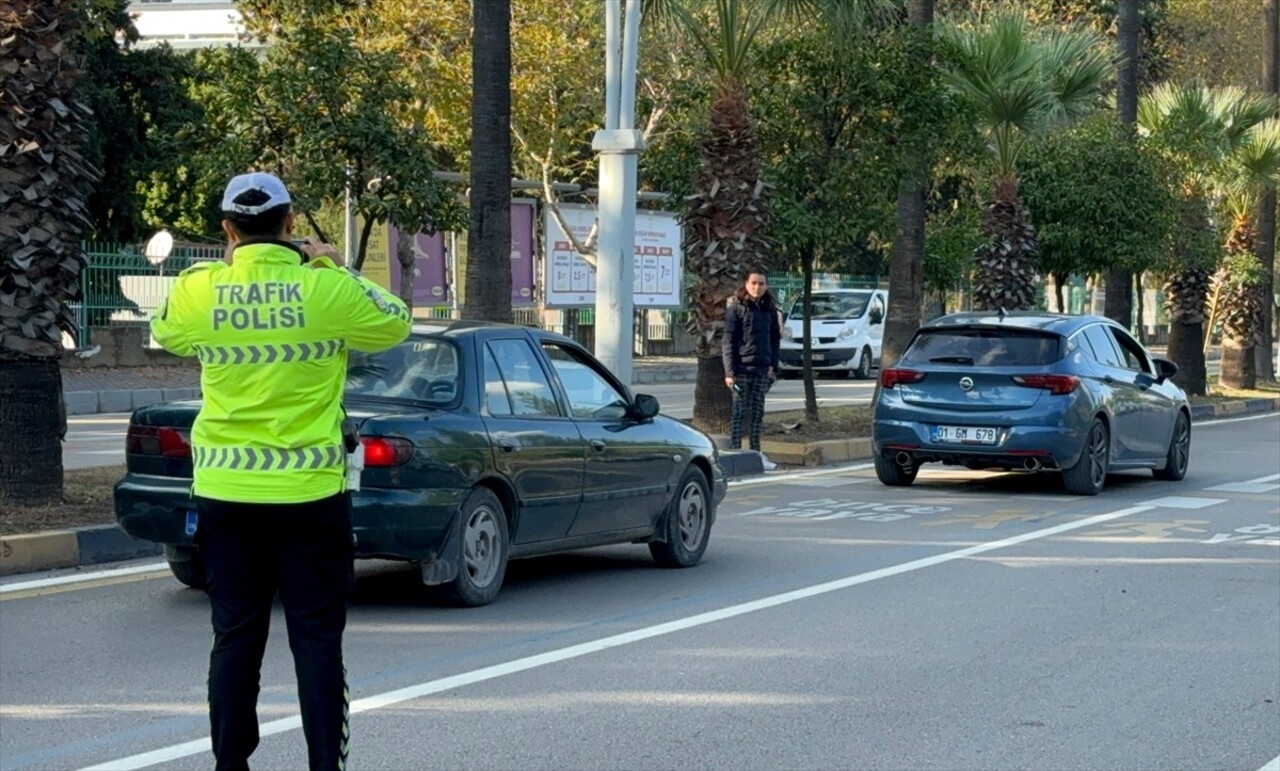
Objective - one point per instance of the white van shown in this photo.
(847, 329)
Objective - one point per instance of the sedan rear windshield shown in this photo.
(833, 306)
(984, 347)
(419, 369)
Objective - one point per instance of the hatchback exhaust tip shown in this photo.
(903, 459)
(1031, 464)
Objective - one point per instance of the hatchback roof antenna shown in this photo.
(1002, 313)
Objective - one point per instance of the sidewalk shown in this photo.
(124, 389)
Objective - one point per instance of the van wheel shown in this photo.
(863, 372)
(483, 550)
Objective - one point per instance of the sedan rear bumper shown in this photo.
(390, 524)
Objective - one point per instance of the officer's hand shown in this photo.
(313, 248)
(729, 382)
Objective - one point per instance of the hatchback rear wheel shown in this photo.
(894, 474)
(1089, 475)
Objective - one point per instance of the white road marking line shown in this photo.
(98, 452)
(398, 696)
(96, 575)
(1180, 502)
(1261, 480)
(1224, 421)
(775, 478)
(1243, 487)
(1274, 765)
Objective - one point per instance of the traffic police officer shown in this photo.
(271, 327)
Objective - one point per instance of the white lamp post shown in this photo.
(619, 145)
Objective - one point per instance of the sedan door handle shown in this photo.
(597, 445)
(1108, 379)
(507, 445)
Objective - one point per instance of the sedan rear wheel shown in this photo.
(1179, 455)
(483, 551)
(686, 525)
(1089, 474)
(189, 571)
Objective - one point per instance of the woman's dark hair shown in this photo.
(766, 300)
(265, 224)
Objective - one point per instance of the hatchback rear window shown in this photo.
(984, 347)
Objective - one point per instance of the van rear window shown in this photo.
(984, 347)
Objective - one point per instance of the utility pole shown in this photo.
(619, 144)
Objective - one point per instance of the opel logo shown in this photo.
(966, 383)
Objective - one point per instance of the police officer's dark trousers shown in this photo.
(250, 552)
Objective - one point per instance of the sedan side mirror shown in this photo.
(644, 407)
(1165, 370)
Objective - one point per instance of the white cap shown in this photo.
(258, 180)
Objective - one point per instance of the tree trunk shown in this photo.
(906, 267)
(1264, 355)
(711, 410)
(488, 294)
(1140, 301)
(810, 393)
(32, 421)
(1119, 302)
(1186, 349)
(405, 256)
(1237, 365)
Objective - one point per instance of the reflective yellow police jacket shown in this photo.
(272, 336)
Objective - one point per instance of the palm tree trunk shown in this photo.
(906, 268)
(488, 294)
(1238, 370)
(32, 422)
(1264, 357)
(1186, 349)
(1119, 302)
(712, 408)
(1005, 274)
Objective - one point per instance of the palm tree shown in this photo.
(488, 285)
(1197, 128)
(727, 218)
(906, 265)
(43, 189)
(1250, 169)
(1023, 80)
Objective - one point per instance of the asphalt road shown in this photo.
(971, 621)
(98, 440)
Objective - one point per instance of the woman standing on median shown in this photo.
(752, 336)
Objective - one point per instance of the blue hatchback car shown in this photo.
(1033, 392)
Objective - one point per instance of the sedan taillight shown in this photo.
(1054, 384)
(156, 440)
(891, 377)
(383, 452)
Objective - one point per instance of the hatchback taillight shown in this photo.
(891, 377)
(156, 440)
(1054, 384)
(383, 452)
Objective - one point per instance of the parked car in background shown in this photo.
(1030, 392)
(846, 330)
(482, 443)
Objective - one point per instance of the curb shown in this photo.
(70, 548)
(30, 553)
